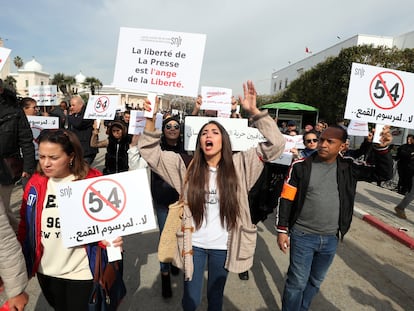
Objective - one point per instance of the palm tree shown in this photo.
(18, 62)
(64, 83)
(93, 83)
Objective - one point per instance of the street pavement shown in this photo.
(374, 206)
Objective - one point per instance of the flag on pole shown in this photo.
(307, 50)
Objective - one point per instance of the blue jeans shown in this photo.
(310, 258)
(216, 280)
(162, 212)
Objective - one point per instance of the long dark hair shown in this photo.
(227, 182)
(71, 146)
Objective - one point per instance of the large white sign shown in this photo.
(242, 136)
(4, 54)
(105, 207)
(37, 124)
(101, 107)
(45, 95)
(380, 95)
(159, 61)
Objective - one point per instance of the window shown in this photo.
(286, 82)
(280, 84)
(26, 83)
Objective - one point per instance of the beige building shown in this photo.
(32, 74)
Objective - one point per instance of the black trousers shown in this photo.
(64, 294)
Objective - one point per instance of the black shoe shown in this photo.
(244, 276)
(174, 270)
(166, 285)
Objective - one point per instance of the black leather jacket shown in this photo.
(349, 172)
(15, 132)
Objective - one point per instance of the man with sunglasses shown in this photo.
(316, 208)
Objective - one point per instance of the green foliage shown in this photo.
(93, 84)
(64, 83)
(18, 62)
(326, 85)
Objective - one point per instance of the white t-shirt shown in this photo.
(58, 260)
(211, 235)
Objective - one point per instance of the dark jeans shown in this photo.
(65, 295)
(310, 258)
(216, 279)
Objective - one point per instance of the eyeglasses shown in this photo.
(314, 140)
(169, 126)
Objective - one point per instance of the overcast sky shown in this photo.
(245, 39)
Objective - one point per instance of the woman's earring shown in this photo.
(71, 163)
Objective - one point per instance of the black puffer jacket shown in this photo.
(116, 158)
(15, 133)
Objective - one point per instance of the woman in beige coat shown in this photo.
(215, 189)
(13, 275)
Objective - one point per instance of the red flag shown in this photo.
(307, 50)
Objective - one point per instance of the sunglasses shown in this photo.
(314, 140)
(169, 126)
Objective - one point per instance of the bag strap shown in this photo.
(98, 264)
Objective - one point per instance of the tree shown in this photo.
(18, 62)
(93, 84)
(64, 83)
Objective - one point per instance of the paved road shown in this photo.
(372, 271)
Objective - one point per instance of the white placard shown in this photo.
(105, 207)
(357, 128)
(45, 95)
(216, 98)
(377, 133)
(102, 107)
(4, 54)
(37, 124)
(242, 136)
(137, 122)
(380, 95)
(159, 61)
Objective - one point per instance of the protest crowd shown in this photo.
(204, 178)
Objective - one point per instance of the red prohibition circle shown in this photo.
(106, 202)
(101, 104)
(387, 93)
